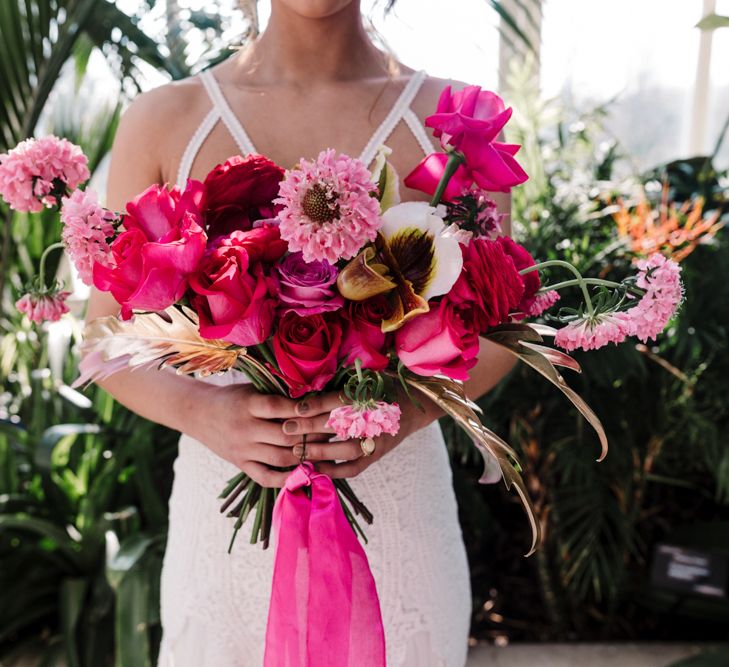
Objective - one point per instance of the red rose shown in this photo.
(161, 247)
(239, 192)
(306, 350)
(440, 342)
(489, 282)
(522, 259)
(363, 336)
(235, 293)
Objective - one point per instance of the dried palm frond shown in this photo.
(153, 340)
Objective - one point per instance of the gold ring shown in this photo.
(367, 445)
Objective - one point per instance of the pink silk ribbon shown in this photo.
(324, 607)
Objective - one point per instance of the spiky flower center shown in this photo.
(320, 204)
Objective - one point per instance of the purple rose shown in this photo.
(308, 288)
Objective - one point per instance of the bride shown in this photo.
(312, 80)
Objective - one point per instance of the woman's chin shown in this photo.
(316, 9)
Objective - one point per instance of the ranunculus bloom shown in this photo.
(162, 245)
(440, 342)
(235, 291)
(86, 230)
(489, 281)
(469, 121)
(306, 350)
(363, 336)
(38, 171)
(43, 306)
(239, 192)
(308, 288)
(522, 260)
(368, 420)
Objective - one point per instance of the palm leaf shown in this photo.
(522, 340)
(500, 460)
(150, 339)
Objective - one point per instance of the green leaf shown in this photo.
(712, 22)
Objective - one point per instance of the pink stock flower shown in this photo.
(43, 306)
(661, 278)
(591, 333)
(469, 121)
(163, 243)
(37, 171)
(86, 230)
(366, 420)
(328, 211)
(543, 301)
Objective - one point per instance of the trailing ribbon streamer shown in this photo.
(324, 607)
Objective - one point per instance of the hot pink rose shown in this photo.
(308, 288)
(363, 336)
(306, 350)
(522, 260)
(469, 121)
(239, 192)
(235, 293)
(162, 245)
(489, 282)
(439, 342)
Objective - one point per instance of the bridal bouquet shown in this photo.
(320, 279)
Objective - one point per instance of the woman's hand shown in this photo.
(350, 453)
(257, 432)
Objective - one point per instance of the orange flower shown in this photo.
(673, 231)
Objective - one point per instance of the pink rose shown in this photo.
(522, 260)
(440, 342)
(469, 121)
(308, 288)
(489, 282)
(306, 350)
(151, 261)
(235, 295)
(363, 336)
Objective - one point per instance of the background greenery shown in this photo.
(84, 483)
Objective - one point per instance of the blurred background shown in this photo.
(622, 109)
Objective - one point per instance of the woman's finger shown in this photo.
(268, 406)
(302, 425)
(318, 404)
(344, 470)
(272, 455)
(349, 450)
(264, 476)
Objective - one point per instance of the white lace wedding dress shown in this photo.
(215, 605)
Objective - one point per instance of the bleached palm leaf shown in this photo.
(500, 460)
(522, 340)
(152, 339)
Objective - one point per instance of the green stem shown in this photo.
(455, 160)
(591, 281)
(566, 265)
(44, 256)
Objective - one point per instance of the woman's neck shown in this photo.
(303, 51)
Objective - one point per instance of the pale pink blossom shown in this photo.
(661, 279)
(366, 420)
(87, 228)
(38, 171)
(542, 301)
(43, 306)
(591, 333)
(488, 219)
(328, 211)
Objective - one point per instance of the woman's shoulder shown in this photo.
(427, 98)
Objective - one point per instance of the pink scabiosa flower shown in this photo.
(43, 306)
(87, 228)
(328, 211)
(542, 301)
(661, 280)
(365, 420)
(37, 172)
(593, 332)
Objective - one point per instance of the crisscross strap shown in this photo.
(226, 113)
(399, 111)
(221, 111)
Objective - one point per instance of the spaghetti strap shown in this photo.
(399, 109)
(226, 113)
